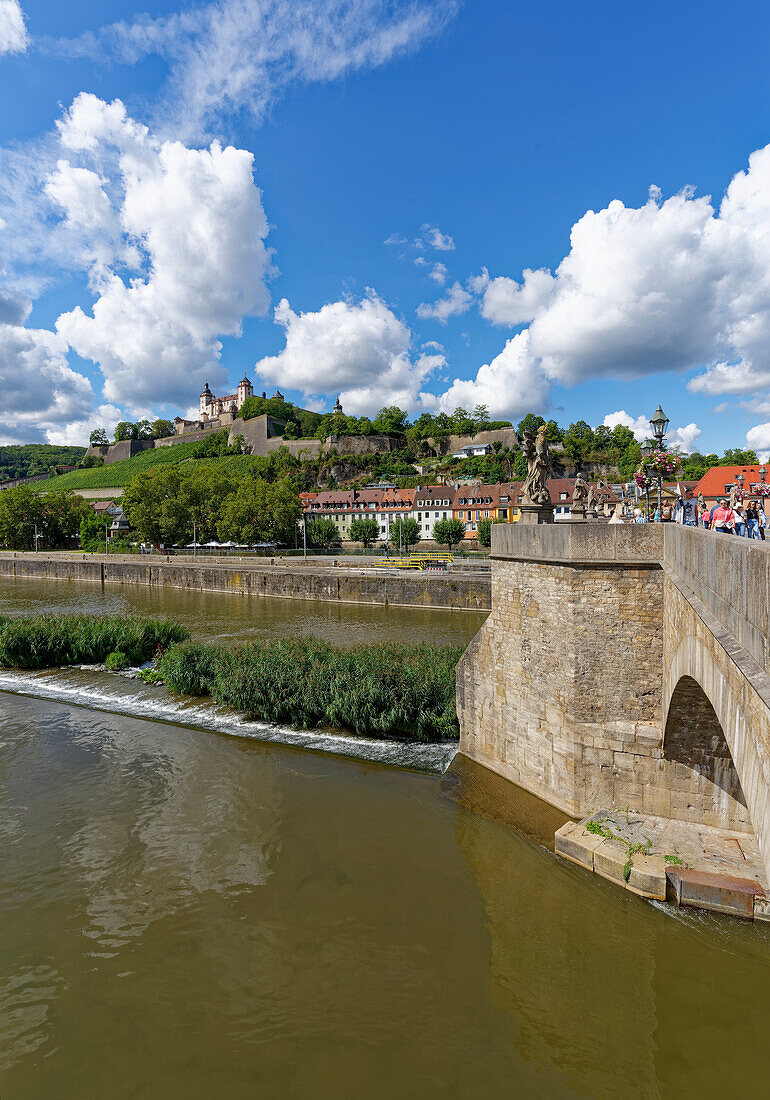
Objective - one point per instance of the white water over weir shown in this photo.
(123, 693)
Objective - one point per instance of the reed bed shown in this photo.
(389, 690)
(49, 641)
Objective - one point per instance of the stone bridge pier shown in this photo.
(626, 666)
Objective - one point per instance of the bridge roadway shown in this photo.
(626, 666)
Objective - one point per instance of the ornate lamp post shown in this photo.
(659, 423)
(763, 474)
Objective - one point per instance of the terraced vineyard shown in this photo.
(118, 474)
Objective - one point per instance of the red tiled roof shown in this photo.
(713, 482)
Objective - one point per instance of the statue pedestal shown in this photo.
(577, 512)
(535, 513)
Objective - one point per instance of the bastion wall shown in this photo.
(600, 679)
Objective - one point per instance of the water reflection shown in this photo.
(230, 618)
(190, 915)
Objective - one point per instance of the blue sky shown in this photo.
(136, 260)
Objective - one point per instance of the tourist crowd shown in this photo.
(746, 519)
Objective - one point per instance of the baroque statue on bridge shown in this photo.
(579, 491)
(538, 455)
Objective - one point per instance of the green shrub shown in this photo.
(115, 661)
(389, 690)
(47, 641)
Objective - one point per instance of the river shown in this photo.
(187, 914)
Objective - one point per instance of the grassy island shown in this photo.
(388, 690)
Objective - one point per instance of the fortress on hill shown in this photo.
(265, 433)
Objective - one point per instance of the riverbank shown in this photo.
(280, 578)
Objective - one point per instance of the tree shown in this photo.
(322, 532)
(143, 429)
(56, 516)
(734, 456)
(364, 529)
(92, 531)
(260, 512)
(404, 533)
(484, 532)
(480, 416)
(529, 423)
(98, 438)
(162, 429)
(124, 429)
(390, 420)
(449, 532)
(579, 442)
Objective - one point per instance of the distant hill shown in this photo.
(28, 459)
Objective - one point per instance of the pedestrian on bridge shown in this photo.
(723, 518)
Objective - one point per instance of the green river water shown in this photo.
(189, 913)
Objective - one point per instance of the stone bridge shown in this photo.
(626, 666)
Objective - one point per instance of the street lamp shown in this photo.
(762, 474)
(659, 423)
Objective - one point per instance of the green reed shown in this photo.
(388, 690)
(48, 641)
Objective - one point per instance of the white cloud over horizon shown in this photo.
(13, 29)
(190, 225)
(679, 439)
(360, 350)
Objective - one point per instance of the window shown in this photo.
(467, 526)
(474, 526)
(443, 514)
(478, 516)
(504, 500)
(486, 514)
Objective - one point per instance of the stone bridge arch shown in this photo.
(707, 742)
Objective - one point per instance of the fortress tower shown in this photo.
(245, 390)
(207, 399)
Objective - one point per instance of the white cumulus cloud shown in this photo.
(191, 225)
(361, 350)
(13, 30)
(679, 439)
(457, 300)
(674, 285)
(510, 385)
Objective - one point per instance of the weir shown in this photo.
(626, 666)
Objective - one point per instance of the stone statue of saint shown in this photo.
(733, 495)
(537, 453)
(579, 492)
(591, 499)
(701, 502)
(602, 486)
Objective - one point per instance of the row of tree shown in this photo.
(193, 501)
(129, 429)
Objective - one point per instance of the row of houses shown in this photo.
(470, 503)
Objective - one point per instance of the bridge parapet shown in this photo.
(626, 665)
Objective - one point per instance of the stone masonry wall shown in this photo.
(585, 660)
(561, 689)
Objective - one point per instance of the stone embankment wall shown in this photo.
(346, 585)
(626, 666)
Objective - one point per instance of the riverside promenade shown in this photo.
(465, 587)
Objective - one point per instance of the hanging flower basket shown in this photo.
(642, 480)
(661, 463)
(760, 491)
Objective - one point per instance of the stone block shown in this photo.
(609, 861)
(648, 877)
(574, 842)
